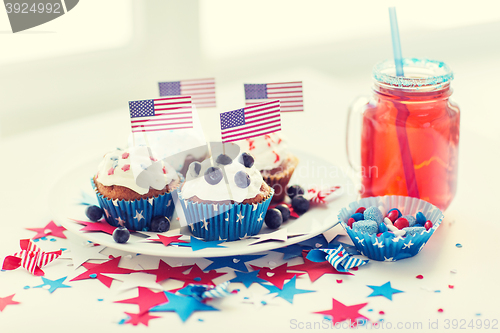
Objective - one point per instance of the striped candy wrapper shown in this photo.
(137, 214)
(218, 291)
(388, 247)
(337, 257)
(228, 222)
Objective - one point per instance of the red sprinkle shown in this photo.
(401, 223)
(440, 310)
(420, 277)
(428, 225)
(350, 222)
(154, 159)
(111, 171)
(125, 155)
(381, 312)
(126, 167)
(164, 170)
(277, 157)
(360, 210)
(339, 281)
(451, 286)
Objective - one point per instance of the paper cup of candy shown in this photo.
(390, 228)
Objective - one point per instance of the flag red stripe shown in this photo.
(224, 137)
(241, 130)
(160, 119)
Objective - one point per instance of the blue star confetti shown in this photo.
(248, 278)
(236, 262)
(384, 290)
(288, 290)
(184, 306)
(290, 251)
(196, 244)
(53, 284)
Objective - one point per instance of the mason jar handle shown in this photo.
(353, 132)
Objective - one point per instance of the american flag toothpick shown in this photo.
(290, 95)
(202, 91)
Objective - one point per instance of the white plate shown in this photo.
(311, 172)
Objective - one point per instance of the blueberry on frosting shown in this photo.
(223, 159)
(213, 175)
(194, 169)
(247, 160)
(242, 179)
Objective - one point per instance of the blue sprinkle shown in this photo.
(113, 158)
(199, 319)
(53, 239)
(437, 291)
(327, 317)
(459, 245)
(263, 302)
(121, 322)
(43, 238)
(100, 299)
(197, 279)
(245, 298)
(35, 240)
(358, 216)
(421, 219)
(93, 276)
(63, 249)
(478, 314)
(381, 319)
(2, 270)
(374, 214)
(367, 226)
(369, 310)
(26, 287)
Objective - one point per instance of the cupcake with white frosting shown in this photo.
(225, 198)
(133, 186)
(273, 160)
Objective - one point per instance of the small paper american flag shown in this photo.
(202, 91)
(251, 121)
(161, 114)
(289, 93)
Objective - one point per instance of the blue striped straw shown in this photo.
(396, 43)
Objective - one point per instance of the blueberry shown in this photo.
(160, 224)
(94, 213)
(285, 211)
(300, 204)
(242, 179)
(247, 160)
(194, 169)
(294, 190)
(121, 235)
(273, 218)
(223, 159)
(213, 175)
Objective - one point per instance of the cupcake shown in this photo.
(225, 198)
(377, 238)
(273, 161)
(133, 186)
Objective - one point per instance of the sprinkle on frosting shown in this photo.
(125, 155)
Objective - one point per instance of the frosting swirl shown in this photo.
(270, 150)
(136, 169)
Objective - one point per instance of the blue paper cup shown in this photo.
(137, 214)
(387, 247)
(227, 222)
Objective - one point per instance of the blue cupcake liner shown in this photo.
(387, 247)
(137, 214)
(222, 220)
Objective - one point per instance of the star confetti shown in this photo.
(340, 312)
(290, 251)
(30, 257)
(184, 306)
(280, 235)
(50, 229)
(96, 271)
(146, 299)
(81, 250)
(197, 276)
(201, 292)
(4, 301)
(53, 284)
(288, 291)
(102, 225)
(197, 244)
(384, 290)
(276, 275)
(165, 271)
(235, 262)
(138, 318)
(247, 278)
(167, 240)
(315, 270)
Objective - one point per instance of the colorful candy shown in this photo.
(374, 214)
(368, 226)
(360, 210)
(358, 216)
(393, 215)
(411, 220)
(421, 218)
(401, 223)
(350, 222)
(411, 231)
(428, 225)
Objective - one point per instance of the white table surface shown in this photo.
(32, 162)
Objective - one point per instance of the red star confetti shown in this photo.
(137, 318)
(102, 225)
(292, 212)
(165, 271)
(50, 229)
(146, 300)
(197, 276)
(95, 271)
(168, 240)
(4, 301)
(315, 270)
(30, 257)
(276, 275)
(340, 312)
